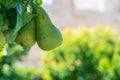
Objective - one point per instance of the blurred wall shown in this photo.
(74, 13)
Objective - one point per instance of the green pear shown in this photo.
(47, 35)
(26, 36)
(2, 40)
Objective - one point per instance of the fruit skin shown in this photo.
(26, 36)
(47, 35)
(2, 40)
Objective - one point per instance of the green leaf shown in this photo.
(11, 16)
(3, 1)
(8, 4)
(19, 7)
(9, 35)
(38, 2)
(1, 21)
(3, 10)
(19, 23)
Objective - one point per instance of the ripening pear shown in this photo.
(2, 40)
(26, 36)
(47, 35)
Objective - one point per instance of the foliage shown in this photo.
(8, 56)
(10, 71)
(29, 73)
(15, 16)
(85, 55)
(16, 13)
(26, 22)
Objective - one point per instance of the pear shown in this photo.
(2, 40)
(47, 34)
(26, 36)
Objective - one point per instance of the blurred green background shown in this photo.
(86, 54)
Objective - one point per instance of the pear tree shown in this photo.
(25, 22)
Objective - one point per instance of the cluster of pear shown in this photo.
(41, 30)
